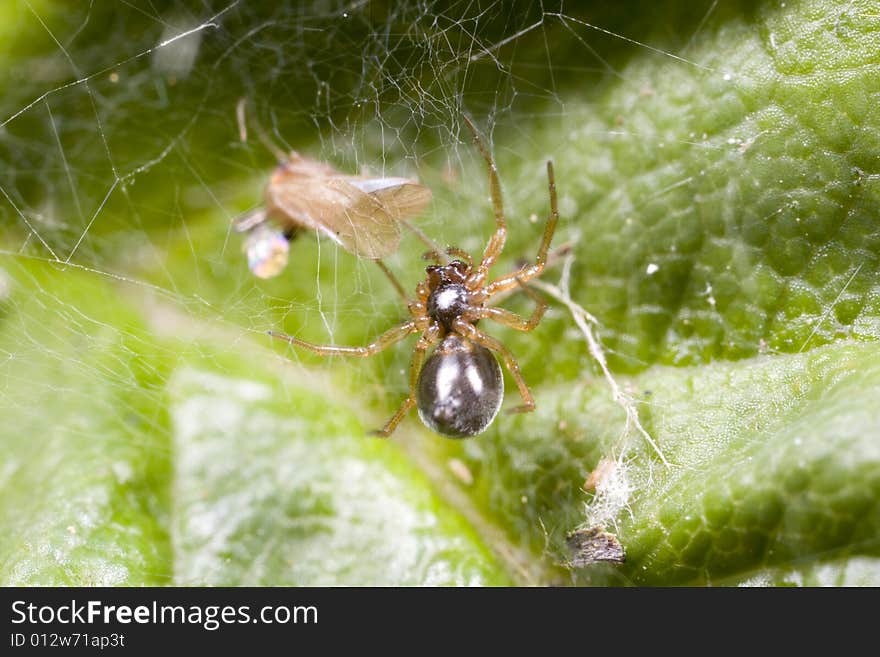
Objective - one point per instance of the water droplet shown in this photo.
(267, 249)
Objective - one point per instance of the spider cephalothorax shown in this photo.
(448, 296)
(459, 388)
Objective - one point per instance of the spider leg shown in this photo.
(552, 220)
(391, 277)
(525, 274)
(428, 338)
(461, 254)
(504, 283)
(496, 243)
(453, 251)
(427, 241)
(508, 318)
(475, 335)
(390, 337)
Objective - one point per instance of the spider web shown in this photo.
(120, 135)
(123, 160)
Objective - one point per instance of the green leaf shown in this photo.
(127, 462)
(718, 172)
(86, 465)
(282, 488)
(775, 465)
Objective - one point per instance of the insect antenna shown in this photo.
(271, 146)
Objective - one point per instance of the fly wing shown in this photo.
(366, 225)
(401, 197)
(356, 220)
(361, 214)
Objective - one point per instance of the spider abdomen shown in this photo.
(460, 388)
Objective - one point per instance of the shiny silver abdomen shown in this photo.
(460, 388)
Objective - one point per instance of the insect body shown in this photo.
(361, 214)
(458, 389)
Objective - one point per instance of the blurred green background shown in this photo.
(718, 168)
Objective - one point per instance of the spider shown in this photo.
(459, 388)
